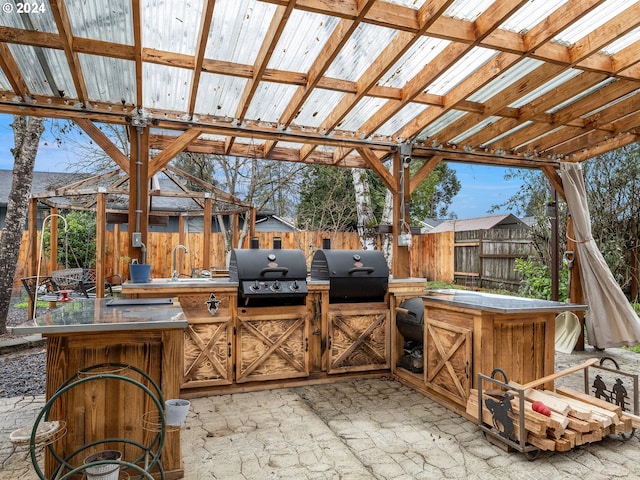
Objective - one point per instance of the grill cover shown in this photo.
(354, 275)
(269, 274)
(410, 319)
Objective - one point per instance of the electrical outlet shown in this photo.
(136, 239)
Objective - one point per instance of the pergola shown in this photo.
(351, 83)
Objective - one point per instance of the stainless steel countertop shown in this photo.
(105, 314)
(498, 303)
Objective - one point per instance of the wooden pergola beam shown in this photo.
(175, 147)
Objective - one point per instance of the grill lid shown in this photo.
(269, 273)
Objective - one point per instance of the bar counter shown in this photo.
(146, 334)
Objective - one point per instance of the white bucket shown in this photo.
(107, 471)
(176, 411)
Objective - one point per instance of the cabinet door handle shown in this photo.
(466, 369)
(229, 349)
(306, 344)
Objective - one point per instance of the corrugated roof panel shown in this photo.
(594, 19)
(364, 46)
(412, 62)
(114, 80)
(547, 87)
(623, 42)
(219, 94)
(531, 14)
(476, 128)
(416, 4)
(400, 119)
(269, 101)
(507, 78)
(106, 20)
(361, 112)
(508, 133)
(4, 82)
(171, 26)
(40, 19)
(319, 104)
(460, 70)
(238, 29)
(303, 38)
(610, 104)
(33, 61)
(466, 10)
(434, 127)
(166, 87)
(580, 95)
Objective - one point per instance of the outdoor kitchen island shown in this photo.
(236, 341)
(103, 358)
(467, 332)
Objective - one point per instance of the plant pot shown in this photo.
(139, 272)
(106, 471)
(176, 411)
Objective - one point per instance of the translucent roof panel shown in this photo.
(547, 87)
(4, 82)
(171, 26)
(420, 54)
(397, 122)
(531, 14)
(409, 3)
(466, 10)
(41, 66)
(319, 104)
(464, 67)
(627, 40)
(363, 47)
(591, 21)
(503, 81)
(449, 117)
(238, 30)
(167, 87)
(219, 94)
(106, 20)
(303, 38)
(269, 101)
(580, 95)
(361, 113)
(41, 19)
(115, 79)
(522, 126)
(475, 129)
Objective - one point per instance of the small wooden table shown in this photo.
(145, 334)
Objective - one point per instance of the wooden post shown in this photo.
(576, 294)
(401, 263)
(101, 215)
(206, 232)
(138, 187)
(53, 258)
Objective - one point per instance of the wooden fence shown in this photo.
(432, 256)
(487, 258)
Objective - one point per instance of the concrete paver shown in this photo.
(370, 429)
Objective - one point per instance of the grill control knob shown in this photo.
(295, 286)
(275, 286)
(255, 286)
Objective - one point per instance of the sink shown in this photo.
(186, 280)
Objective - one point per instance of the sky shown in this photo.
(482, 187)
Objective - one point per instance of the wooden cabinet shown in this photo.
(358, 337)
(272, 343)
(208, 341)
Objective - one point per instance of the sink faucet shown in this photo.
(174, 276)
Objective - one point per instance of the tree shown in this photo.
(26, 134)
(434, 195)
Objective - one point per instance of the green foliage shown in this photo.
(536, 281)
(76, 248)
(433, 196)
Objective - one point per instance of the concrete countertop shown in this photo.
(493, 302)
(106, 314)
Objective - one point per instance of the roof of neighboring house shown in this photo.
(42, 181)
(479, 223)
(270, 222)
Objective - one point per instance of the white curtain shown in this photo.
(610, 320)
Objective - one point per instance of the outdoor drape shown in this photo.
(610, 320)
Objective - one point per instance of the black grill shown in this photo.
(269, 277)
(410, 319)
(354, 275)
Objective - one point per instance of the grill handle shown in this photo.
(282, 270)
(367, 270)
